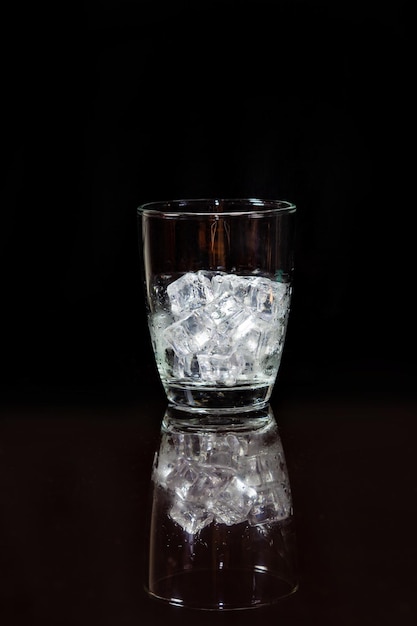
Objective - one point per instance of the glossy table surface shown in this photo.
(74, 481)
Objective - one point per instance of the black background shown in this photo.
(107, 105)
(126, 102)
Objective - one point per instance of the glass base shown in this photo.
(218, 399)
(176, 419)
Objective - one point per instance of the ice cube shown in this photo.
(186, 367)
(252, 337)
(266, 298)
(225, 311)
(191, 334)
(189, 292)
(221, 368)
(223, 283)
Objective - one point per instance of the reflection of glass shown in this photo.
(221, 521)
(218, 280)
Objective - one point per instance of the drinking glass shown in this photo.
(218, 279)
(221, 526)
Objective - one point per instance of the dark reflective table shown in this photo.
(75, 480)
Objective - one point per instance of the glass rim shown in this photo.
(212, 207)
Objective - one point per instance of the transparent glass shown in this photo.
(218, 281)
(221, 525)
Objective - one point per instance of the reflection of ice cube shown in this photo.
(189, 445)
(182, 477)
(258, 469)
(219, 450)
(272, 504)
(223, 452)
(194, 482)
(192, 520)
(189, 292)
(234, 502)
(223, 477)
(209, 484)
